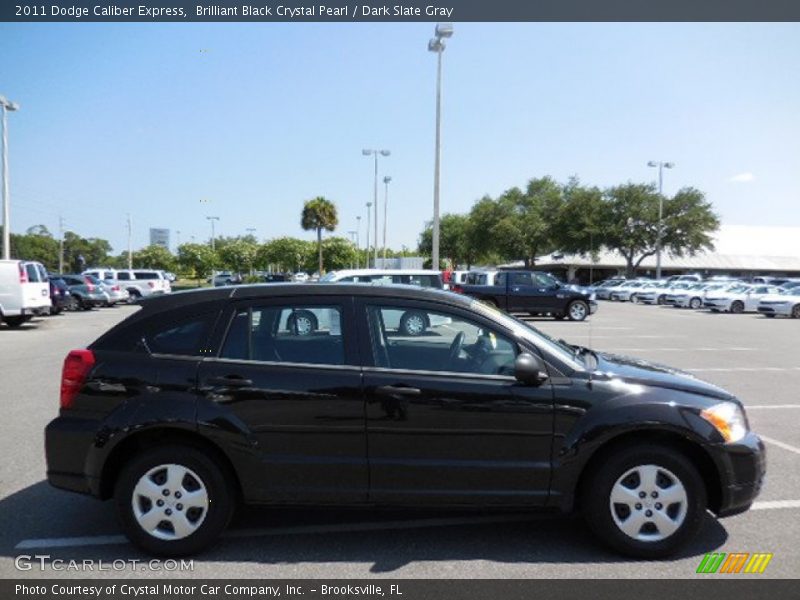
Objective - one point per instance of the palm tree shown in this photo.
(319, 213)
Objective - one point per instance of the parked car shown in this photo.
(139, 283)
(24, 291)
(116, 293)
(300, 277)
(276, 277)
(204, 398)
(225, 278)
(785, 304)
(85, 293)
(60, 297)
(603, 289)
(690, 296)
(535, 293)
(653, 294)
(409, 323)
(627, 291)
(738, 299)
(481, 277)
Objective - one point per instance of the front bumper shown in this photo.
(742, 467)
(775, 309)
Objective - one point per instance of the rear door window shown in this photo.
(184, 337)
(145, 275)
(32, 272)
(123, 276)
(291, 334)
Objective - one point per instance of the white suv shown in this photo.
(140, 283)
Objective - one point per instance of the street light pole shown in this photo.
(374, 152)
(7, 106)
(212, 219)
(661, 166)
(386, 181)
(369, 204)
(437, 45)
(358, 242)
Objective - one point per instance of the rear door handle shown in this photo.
(397, 390)
(230, 381)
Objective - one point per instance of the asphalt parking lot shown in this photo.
(754, 357)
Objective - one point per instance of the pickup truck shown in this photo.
(535, 293)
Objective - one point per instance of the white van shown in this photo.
(24, 291)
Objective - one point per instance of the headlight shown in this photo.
(728, 418)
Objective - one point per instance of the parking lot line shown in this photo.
(684, 349)
(780, 444)
(767, 406)
(773, 504)
(740, 369)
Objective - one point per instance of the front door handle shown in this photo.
(230, 381)
(397, 390)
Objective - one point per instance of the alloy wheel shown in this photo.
(170, 502)
(577, 311)
(414, 325)
(648, 503)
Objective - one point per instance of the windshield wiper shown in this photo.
(580, 351)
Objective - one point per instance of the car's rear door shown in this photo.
(293, 383)
(448, 425)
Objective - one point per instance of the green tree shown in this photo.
(238, 255)
(338, 252)
(453, 239)
(94, 251)
(284, 254)
(37, 244)
(318, 214)
(631, 224)
(577, 227)
(196, 260)
(154, 257)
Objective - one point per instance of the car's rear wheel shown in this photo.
(413, 323)
(173, 500)
(302, 322)
(134, 294)
(645, 501)
(695, 303)
(662, 299)
(737, 307)
(578, 310)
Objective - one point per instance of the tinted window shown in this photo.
(447, 343)
(123, 276)
(32, 272)
(521, 279)
(145, 275)
(186, 337)
(293, 334)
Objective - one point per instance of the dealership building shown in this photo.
(739, 251)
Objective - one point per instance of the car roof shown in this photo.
(349, 272)
(161, 302)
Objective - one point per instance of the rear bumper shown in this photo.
(742, 467)
(67, 442)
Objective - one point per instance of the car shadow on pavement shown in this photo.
(388, 540)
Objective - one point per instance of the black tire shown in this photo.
(596, 494)
(769, 315)
(634, 299)
(662, 300)
(796, 311)
(302, 322)
(15, 322)
(73, 303)
(413, 323)
(695, 303)
(577, 310)
(220, 491)
(737, 307)
(134, 294)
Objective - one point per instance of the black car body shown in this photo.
(535, 293)
(482, 411)
(59, 295)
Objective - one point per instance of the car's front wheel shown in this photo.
(578, 310)
(413, 323)
(173, 500)
(645, 501)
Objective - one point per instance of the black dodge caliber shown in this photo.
(204, 399)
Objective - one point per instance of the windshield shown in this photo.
(328, 277)
(562, 350)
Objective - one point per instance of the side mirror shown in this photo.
(529, 369)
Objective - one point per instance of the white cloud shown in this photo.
(747, 177)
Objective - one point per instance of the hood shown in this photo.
(635, 370)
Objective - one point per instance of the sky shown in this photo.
(176, 122)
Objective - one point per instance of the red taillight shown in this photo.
(457, 289)
(73, 375)
(115, 288)
(23, 274)
(89, 284)
(151, 284)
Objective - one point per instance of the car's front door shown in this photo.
(446, 420)
(288, 371)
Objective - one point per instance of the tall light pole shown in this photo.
(661, 166)
(386, 181)
(177, 238)
(212, 219)
(375, 153)
(369, 204)
(358, 241)
(7, 107)
(437, 45)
